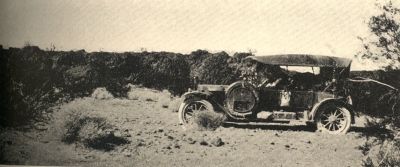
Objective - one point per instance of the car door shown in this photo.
(302, 99)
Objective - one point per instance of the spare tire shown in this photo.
(241, 99)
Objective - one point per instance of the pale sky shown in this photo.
(327, 27)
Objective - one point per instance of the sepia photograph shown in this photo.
(200, 83)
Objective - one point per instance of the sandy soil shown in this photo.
(149, 122)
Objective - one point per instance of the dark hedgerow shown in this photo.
(32, 80)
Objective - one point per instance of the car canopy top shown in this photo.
(302, 60)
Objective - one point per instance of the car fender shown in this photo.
(196, 95)
(348, 106)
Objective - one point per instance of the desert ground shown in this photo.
(143, 130)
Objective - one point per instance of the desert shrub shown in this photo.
(208, 120)
(388, 155)
(195, 59)
(102, 93)
(239, 57)
(26, 92)
(216, 70)
(166, 71)
(109, 71)
(388, 140)
(92, 132)
(32, 80)
(80, 127)
(374, 99)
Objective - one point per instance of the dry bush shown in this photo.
(388, 153)
(102, 94)
(208, 120)
(92, 132)
(81, 126)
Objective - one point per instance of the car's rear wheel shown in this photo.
(190, 107)
(334, 119)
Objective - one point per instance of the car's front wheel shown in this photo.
(189, 108)
(334, 119)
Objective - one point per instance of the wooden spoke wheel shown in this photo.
(188, 108)
(334, 119)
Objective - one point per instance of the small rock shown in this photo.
(168, 147)
(309, 142)
(203, 143)
(217, 142)
(287, 146)
(272, 143)
(140, 142)
(170, 137)
(191, 141)
(89, 157)
(160, 130)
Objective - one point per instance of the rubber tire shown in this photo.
(183, 106)
(253, 91)
(346, 128)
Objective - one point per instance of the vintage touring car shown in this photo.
(280, 89)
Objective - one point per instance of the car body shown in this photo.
(314, 99)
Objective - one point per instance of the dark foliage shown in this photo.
(383, 42)
(32, 80)
(374, 99)
(216, 69)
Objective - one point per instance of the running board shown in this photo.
(274, 122)
(258, 123)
